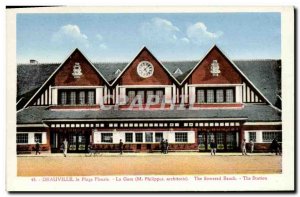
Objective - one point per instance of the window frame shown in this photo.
(145, 95)
(104, 141)
(182, 138)
(277, 134)
(41, 141)
(126, 137)
(138, 141)
(214, 89)
(18, 134)
(78, 97)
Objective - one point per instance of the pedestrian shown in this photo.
(162, 145)
(275, 146)
(65, 147)
(243, 147)
(166, 146)
(251, 146)
(121, 146)
(213, 147)
(37, 147)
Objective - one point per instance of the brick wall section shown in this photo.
(89, 77)
(202, 75)
(159, 77)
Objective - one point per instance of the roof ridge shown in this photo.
(266, 59)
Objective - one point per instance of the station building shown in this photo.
(189, 103)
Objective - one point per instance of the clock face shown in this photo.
(145, 69)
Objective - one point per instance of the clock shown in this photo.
(145, 69)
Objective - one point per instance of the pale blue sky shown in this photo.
(119, 37)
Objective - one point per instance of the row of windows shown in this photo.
(215, 95)
(266, 136)
(158, 136)
(145, 96)
(79, 97)
(22, 138)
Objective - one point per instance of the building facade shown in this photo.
(189, 103)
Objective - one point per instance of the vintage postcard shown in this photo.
(150, 99)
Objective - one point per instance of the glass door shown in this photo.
(231, 141)
(202, 141)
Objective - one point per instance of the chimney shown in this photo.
(33, 61)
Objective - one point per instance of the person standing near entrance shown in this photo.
(251, 146)
(162, 145)
(121, 147)
(65, 147)
(37, 147)
(213, 147)
(166, 147)
(243, 147)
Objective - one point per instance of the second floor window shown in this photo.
(215, 95)
(146, 96)
(76, 97)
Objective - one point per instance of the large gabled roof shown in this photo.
(265, 75)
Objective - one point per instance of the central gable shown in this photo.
(223, 71)
(130, 75)
(77, 71)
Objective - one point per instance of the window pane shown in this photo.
(270, 136)
(158, 137)
(220, 140)
(140, 96)
(131, 95)
(149, 137)
(252, 136)
(38, 137)
(160, 95)
(229, 96)
(128, 137)
(73, 98)
(63, 98)
(139, 137)
(220, 96)
(81, 97)
(210, 96)
(150, 96)
(91, 97)
(181, 137)
(200, 96)
(22, 138)
(107, 137)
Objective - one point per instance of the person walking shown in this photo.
(243, 147)
(37, 147)
(166, 146)
(121, 146)
(251, 146)
(213, 147)
(162, 145)
(65, 147)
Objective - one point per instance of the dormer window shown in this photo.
(76, 97)
(215, 68)
(178, 72)
(77, 70)
(117, 72)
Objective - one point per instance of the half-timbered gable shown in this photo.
(75, 82)
(217, 80)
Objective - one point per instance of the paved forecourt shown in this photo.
(147, 164)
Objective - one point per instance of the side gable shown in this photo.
(61, 77)
(202, 72)
(161, 75)
(64, 75)
(236, 76)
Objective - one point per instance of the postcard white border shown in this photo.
(284, 181)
